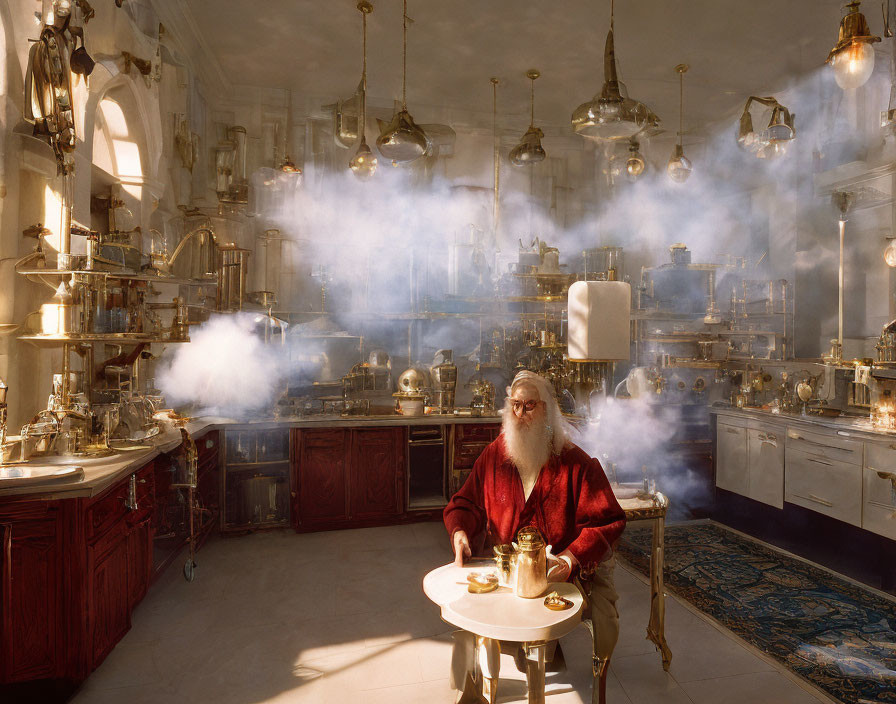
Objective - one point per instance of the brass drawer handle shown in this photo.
(732, 430)
(826, 464)
(816, 499)
(872, 502)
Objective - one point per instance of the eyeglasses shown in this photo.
(527, 406)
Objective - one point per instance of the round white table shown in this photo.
(501, 615)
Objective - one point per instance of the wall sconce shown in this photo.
(771, 141)
(853, 55)
(890, 252)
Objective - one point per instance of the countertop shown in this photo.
(101, 473)
(859, 428)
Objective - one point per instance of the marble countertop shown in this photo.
(101, 473)
(844, 426)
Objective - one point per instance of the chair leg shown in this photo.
(600, 667)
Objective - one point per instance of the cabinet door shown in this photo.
(377, 471)
(31, 618)
(731, 459)
(139, 558)
(322, 476)
(765, 451)
(108, 598)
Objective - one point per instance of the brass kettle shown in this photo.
(523, 564)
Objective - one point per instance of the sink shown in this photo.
(25, 475)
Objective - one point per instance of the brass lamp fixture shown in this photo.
(401, 140)
(363, 163)
(679, 166)
(611, 115)
(773, 140)
(635, 164)
(529, 150)
(890, 253)
(853, 55)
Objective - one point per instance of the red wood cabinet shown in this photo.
(467, 443)
(31, 612)
(107, 594)
(347, 477)
(322, 480)
(376, 473)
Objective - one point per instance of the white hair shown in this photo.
(556, 424)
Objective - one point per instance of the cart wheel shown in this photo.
(189, 570)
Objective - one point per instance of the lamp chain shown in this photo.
(404, 58)
(680, 105)
(362, 122)
(532, 103)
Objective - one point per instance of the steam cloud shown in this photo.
(371, 235)
(224, 370)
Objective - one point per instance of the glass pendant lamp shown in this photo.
(679, 166)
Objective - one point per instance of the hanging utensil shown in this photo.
(401, 140)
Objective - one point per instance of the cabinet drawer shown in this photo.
(880, 458)
(466, 454)
(831, 447)
(879, 507)
(823, 485)
(111, 506)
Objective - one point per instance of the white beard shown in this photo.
(529, 448)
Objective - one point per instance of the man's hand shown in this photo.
(461, 547)
(559, 566)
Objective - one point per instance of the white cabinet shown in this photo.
(824, 474)
(765, 461)
(731, 457)
(879, 498)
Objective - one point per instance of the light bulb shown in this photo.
(635, 164)
(890, 254)
(363, 163)
(679, 166)
(853, 65)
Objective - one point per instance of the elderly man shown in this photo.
(533, 475)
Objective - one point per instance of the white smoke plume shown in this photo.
(224, 370)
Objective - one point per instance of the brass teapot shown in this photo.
(522, 565)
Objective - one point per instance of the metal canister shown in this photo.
(530, 567)
(505, 556)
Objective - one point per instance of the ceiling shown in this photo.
(734, 49)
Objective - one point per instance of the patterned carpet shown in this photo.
(837, 635)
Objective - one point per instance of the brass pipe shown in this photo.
(840, 293)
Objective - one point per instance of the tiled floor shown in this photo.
(340, 617)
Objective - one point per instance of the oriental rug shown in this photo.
(839, 636)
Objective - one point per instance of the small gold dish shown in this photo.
(555, 602)
(481, 582)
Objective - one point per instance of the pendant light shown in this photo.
(529, 150)
(611, 115)
(853, 55)
(635, 164)
(401, 140)
(679, 166)
(773, 140)
(363, 163)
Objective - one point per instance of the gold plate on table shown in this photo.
(481, 582)
(555, 602)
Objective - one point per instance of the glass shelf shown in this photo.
(155, 278)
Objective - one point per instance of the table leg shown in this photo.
(656, 629)
(535, 653)
(489, 661)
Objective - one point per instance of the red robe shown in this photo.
(572, 504)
